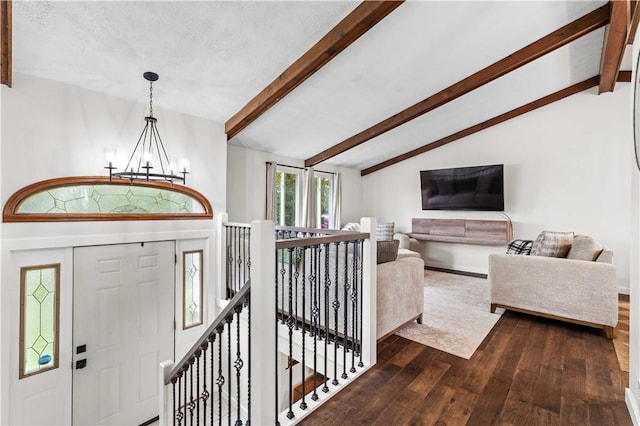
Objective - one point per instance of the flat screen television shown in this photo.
(463, 188)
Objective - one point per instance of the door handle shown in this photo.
(81, 363)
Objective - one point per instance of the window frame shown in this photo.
(298, 192)
(184, 289)
(318, 184)
(56, 350)
(11, 209)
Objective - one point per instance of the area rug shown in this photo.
(457, 317)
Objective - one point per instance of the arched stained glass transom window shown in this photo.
(97, 198)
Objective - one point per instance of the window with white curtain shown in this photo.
(289, 188)
(324, 203)
(288, 195)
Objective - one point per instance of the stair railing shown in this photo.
(220, 391)
(313, 310)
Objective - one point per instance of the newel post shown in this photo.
(166, 407)
(221, 256)
(369, 291)
(264, 384)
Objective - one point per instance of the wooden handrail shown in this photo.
(310, 230)
(323, 239)
(229, 310)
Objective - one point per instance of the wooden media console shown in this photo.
(485, 232)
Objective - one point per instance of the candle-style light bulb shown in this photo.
(109, 157)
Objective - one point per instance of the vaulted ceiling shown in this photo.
(350, 84)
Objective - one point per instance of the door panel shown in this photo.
(124, 314)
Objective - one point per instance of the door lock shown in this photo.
(81, 363)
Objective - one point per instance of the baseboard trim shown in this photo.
(632, 407)
(453, 271)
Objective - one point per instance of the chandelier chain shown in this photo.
(151, 99)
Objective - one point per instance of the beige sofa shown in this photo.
(400, 290)
(578, 291)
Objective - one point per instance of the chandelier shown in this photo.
(149, 160)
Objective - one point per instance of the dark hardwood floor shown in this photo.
(528, 371)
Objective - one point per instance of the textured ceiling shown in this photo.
(213, 57)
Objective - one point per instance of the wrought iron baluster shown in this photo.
(290, 323)
(186, 404)
(220, 380)
(197, 400)
(205, 391)
(212, 340)
(346, 311)
(229, 260)
(282, 273)
(336, 308)
(244, 258)
(238, 364)
(303, 404)
(327, 286)
(296, 276)
(229, 320)
(239, 262)
(191, 404)
(314, 314)
(179, 415)
(319, 292)
(360, 363)
(354, 305)
(248, 231)
(248, 302)
(173, 394)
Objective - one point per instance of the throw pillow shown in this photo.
(387, 251)
(584, 248)
(552, 244)
(606, 256)
(352, 226)
(519, 247)
(384, 231)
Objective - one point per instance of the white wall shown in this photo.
(567, 168)
(50, 130)
(246, 177)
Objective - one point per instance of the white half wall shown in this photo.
(567, 168)
(246, 180)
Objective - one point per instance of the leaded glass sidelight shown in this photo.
(192, 288)
(39, 318)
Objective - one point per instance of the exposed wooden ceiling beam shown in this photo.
(358, 22)
(535, 50)
(615, 41)
(5, 42)
(571, 90)
(635, 20)
(624, 77)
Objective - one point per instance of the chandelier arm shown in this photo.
(163, 150)
(133, 153)
(156, 135)
(144, 144)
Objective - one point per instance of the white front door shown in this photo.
(123, 327)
